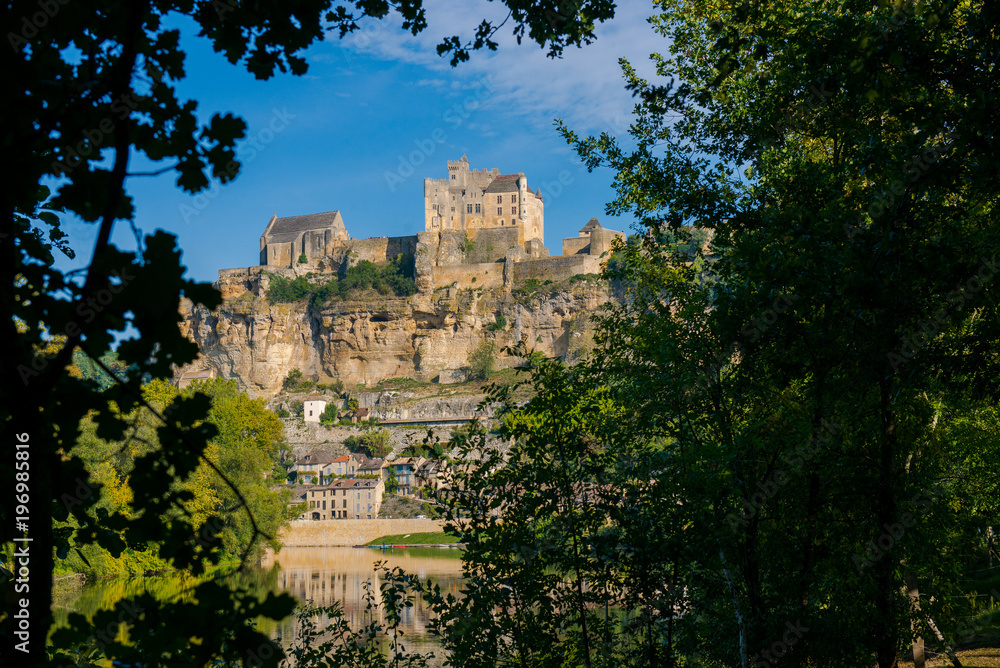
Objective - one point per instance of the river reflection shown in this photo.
(323, 575)
(328, 574)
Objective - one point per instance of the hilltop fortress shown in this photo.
(482, 229)
(482, 274)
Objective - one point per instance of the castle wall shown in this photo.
(557, 268)
(575, 245)
(492, 244)
(382, 249)
(601, 240)
(484, 275)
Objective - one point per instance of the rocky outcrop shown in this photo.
(426, 337)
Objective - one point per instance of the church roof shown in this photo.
(289, 229)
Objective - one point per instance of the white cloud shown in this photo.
(584, 87)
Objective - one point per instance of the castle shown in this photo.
(482, 229)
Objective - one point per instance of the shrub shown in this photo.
(330, 414)
(293, 378)
(296, 407)
(498, 324)
(483, 360)
(374, 443)
(282, 413)
(303, 259)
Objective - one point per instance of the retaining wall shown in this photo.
(328, 533)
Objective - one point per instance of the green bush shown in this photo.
(303, 259)
(329, 414)
(293, 378)
(396, 277)
(374, 443)
(499, 324)
(295, 407)
(483, 360)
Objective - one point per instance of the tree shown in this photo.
(392, 482)
(824, 380)
(98, 85)
(483, 360)
(330, 414)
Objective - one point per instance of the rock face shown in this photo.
(427, 337)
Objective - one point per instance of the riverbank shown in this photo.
(347, 533)
(423, 539)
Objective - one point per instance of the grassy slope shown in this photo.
(427, 538)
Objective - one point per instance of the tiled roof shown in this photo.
(347, 483)
(499, 186)
(289, 229)
(592, 224)
(315, 457)
(317, 397)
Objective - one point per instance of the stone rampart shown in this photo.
(328, 533)
(486, 275)
(557, 268)
(491, 244)
(381, 249)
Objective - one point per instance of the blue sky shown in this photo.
(381, 103)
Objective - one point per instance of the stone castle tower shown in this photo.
(478, 199)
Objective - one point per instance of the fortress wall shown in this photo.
(557, 268)
(381, 249)
(574, 245)
(601, 240)
(308, 533)
(491, 244)
(487, 275)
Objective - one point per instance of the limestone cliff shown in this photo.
(428, 336)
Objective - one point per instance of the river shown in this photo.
(323, 575)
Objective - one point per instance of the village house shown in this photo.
(430, 474)
(373, 467)
(314, 468)
(406, 469)
(313, 407)
(347, 465)
(349, 498)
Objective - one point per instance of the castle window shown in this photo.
(477, 208)
(501, 221)
(452, 177)
(513, 210)
(499, 211)
(468, 208)
(513, 198)
(453, 209)
(499, 199)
